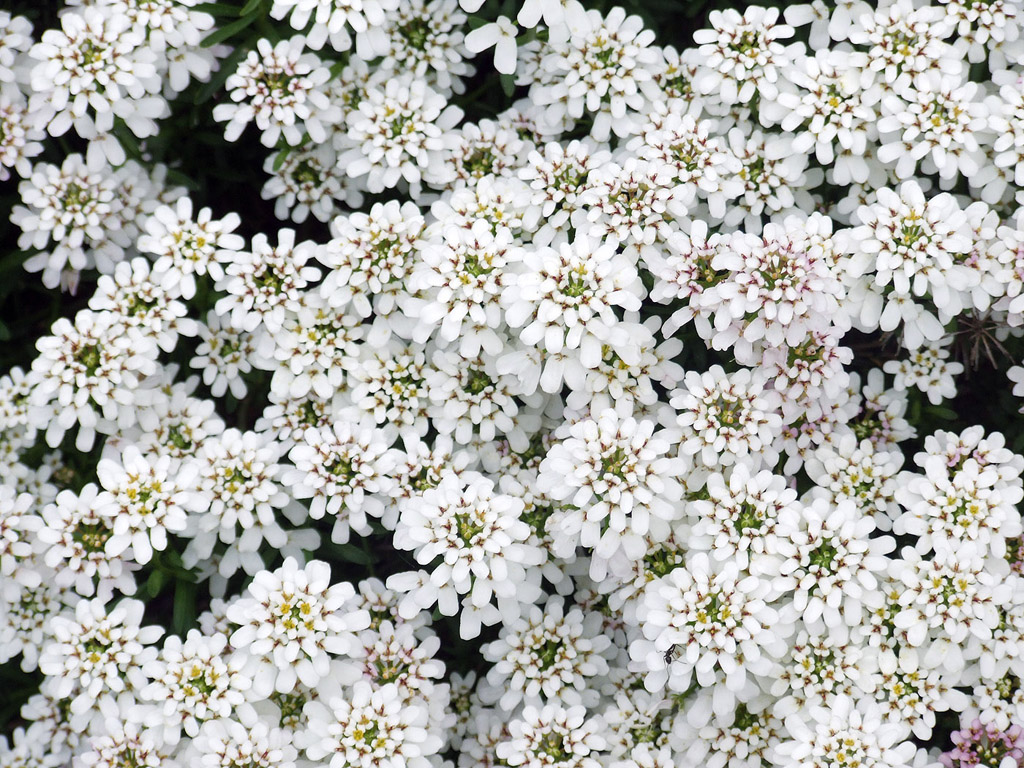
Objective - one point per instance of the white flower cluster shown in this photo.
(590, 441)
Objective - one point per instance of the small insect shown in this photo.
(670, 654)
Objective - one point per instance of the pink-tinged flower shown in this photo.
(984, 745)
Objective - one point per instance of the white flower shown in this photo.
(743, 518)
(903, 255)
(1000, 701)
(988, 449)
(371, 727)
(914, 688)
(821, 665)
(223, 355)
(171, 27)
(553, 12)
(988, 31)
(98, 653)
(741, 738)
(675, 81)
(420, 467)
(401, 655)
(845, 732)
(834, 109)
(938, 122)
(390, 383)
(636, 204)
(399, 131)
(25, 613)
(552, 737)
(135, 297)
(1004, 113)
(927, 369)
(501, 34)
(188, 244)
(834, 562)
(282, 90)
(19, 524)
(878, 411)
(505, 201)
(701, 163)
(264, 283)
(291, 619)
(345, 471)
(472, 401)
(312, 350)
(905, 42)
(778, 288)
(565, 299)
(333, 18)
(684, 272)
(52, 723)
(811, 375)
(370, 256)
(147, 502)
(192, 681)
(557, 175)
(74, 538)
(1003, 651)
(238, 477)
(308, 180)
(458, 283)
(728, 418)
(287, 418)
(484, 150)
(176, 423)
(951, 597)
(604, 66)
(482, 542)
(620, 481)
(232, 744)
(15, 40)
(742, 56)
(119, 743)
(949, 506)
(19, 135)
(423, 38)
(775, 177)
(95, 68)
(75, 206)
(551, 654)
(701, 620)
(856, 470)
(627, 388)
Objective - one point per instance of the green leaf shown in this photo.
(337, 67)
(227, 67)
(940, 412)
(217, 9)
(250, 6)
(184, 612)
(1018, 443)
(280, 157)
(228, 30)
(180, 179)
(129, 143)
(5, 332)
(351, 553)
(508, 84)
(156, 582)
